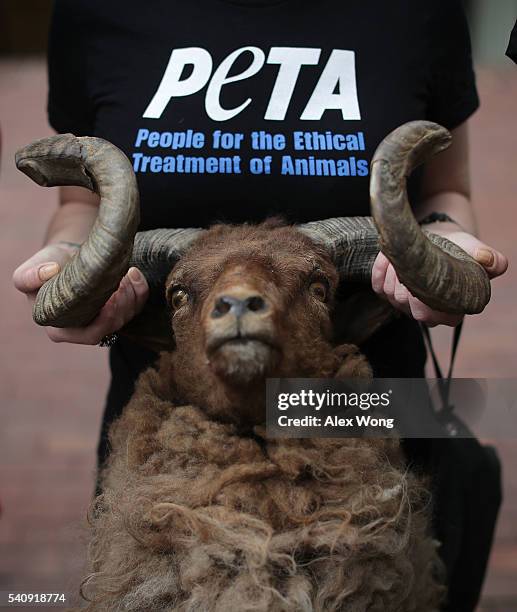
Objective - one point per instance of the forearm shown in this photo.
(456, 205)
(72, 221)
(446, 187)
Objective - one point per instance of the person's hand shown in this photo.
(122, 306)
(386, 284)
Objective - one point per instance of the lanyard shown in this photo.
(443, 383)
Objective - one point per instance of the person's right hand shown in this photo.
(124, 304)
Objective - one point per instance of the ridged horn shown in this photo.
(75, 295)
(156, 252)
(352, 242)
(434, 269)
(442, 275)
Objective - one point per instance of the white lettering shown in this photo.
(212, 101)
(172, 87)
(336, 88)
(339, 73)
(291, 59)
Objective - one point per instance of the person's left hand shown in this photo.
(386, 284)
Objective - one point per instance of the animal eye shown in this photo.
(319, 290)
(179, 298)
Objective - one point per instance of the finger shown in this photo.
(420, 311)
(401, 298)
(424, 314)
(390, 287)
(389, 284)
(140, 287)
(31, 274)
(379, 270)
(107, 322)
(126, 302)
(30, 279)
(134, 291)
(122, 306)
(401, 294)
(92, 334)
(494, 262)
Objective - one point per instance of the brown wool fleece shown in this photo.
(199, 515)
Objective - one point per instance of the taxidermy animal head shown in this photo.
(247, 302)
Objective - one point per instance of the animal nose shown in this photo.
(238, 306)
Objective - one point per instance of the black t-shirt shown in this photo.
(511, 52)
(238, 110)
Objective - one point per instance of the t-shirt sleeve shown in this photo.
(453, 95)
(69, 104)
(511, 52)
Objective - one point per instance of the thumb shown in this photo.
(30, 279)
(495, 263)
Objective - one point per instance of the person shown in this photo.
(236, 110)
(511, 50)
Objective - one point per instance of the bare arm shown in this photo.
(446, 184)
(446, 189)
(68, 228)
(74, 218)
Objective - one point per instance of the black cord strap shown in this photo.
(444, 384)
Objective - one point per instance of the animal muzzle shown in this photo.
(238, 307)
(239, 315)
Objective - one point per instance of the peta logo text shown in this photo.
(336, 88)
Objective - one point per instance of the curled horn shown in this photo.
(444, 277)
(76, 294)
(434, 269)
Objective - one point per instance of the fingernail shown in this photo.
(48, 271)
(135, 275)
(485, 257)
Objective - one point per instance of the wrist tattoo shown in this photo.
(436, 217)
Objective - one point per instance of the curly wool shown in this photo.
(196, 517)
